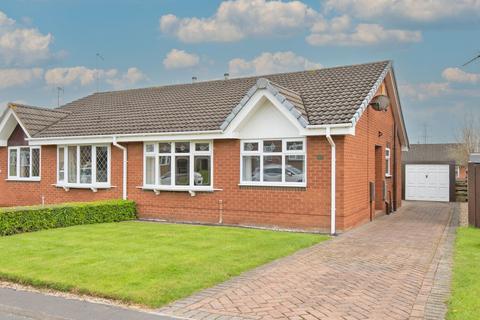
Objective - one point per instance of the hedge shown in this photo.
(27, 219)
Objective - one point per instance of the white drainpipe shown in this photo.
(124, 149)
(333, 184)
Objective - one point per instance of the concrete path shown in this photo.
(25, 305)
(394, 268)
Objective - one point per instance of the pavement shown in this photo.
(397, 267)
(26, 305)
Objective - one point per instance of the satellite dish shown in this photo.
(380, 103)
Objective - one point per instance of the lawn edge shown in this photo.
(74, 295)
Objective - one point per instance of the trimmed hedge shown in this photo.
(27, 219)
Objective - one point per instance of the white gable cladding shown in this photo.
(7, 125)
(266, 121)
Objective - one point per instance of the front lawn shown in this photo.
(465, 301)
(140, 262)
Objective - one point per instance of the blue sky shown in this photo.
(45, 44)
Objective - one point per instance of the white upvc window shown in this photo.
(83, 166)
(24, 163)
(178, 165)
(273, 162)
(457, 172)
(387, 162)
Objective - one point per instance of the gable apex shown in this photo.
(290, 100)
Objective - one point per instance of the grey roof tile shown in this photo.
(324, 96)
(435, 152)
(36, 119)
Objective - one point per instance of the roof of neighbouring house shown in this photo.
(436, 152)
(36, 119)
(319, 97)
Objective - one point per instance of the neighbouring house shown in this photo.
(312, 150)
(431, 171)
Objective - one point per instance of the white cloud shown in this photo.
(237, 19)
(19, 46)
(417, 10)
(84, 76)
(176, 59)
(268, 62)
(128, 79)
(17, 77)
(458, 75)
(339, 32)
(75, 75)
(5, 21)
(424, 91)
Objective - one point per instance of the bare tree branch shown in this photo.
(468, 138)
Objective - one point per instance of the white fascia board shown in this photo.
(391, 78)
(212, 135)
(172, 137)
(199, 135)
(334, 131)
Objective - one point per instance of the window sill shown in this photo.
(191, 190)
(94, 188)
(388, 175)
(277, 185)
(23, 180)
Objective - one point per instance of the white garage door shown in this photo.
(427, 182)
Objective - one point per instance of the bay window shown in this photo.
(276, 162)
(24, 163)
(178, 165)
(83, 166)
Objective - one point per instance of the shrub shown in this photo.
(26, 219)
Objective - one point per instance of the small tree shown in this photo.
(468, 138)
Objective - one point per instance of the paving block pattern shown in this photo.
(378, 271)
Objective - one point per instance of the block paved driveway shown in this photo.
(381, 270)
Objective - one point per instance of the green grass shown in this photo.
(465, 301)
(139, 262)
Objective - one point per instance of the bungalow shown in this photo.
(313, 150)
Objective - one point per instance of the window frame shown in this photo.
(457, 172)
(77, 185)
(388, 162)
(156, 154)
(284, 154)
(17, 176)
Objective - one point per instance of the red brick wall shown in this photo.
(374, 128)
(31, 193)
(301, 208)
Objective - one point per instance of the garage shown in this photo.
(427, 182)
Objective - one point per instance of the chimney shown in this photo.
(194, 79)
(226, 75)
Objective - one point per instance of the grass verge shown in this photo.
(464, 303)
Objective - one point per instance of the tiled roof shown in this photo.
(36, 119)
(437, 152)
(323, 96)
